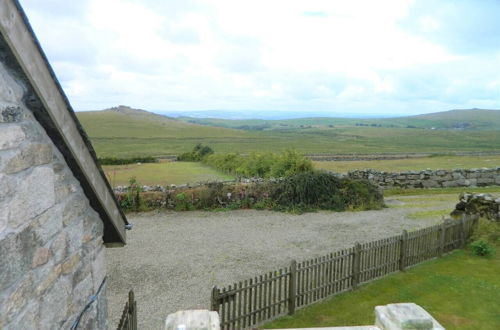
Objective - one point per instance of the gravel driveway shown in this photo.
(172, 259)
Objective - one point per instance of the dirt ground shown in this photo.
(172, 259)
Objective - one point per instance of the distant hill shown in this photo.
(470, 119)
(123, 121)
(127, 132)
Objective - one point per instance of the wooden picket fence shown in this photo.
(252, 302)
(128, 321)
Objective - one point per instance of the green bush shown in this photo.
(320, 190)
(261, 165)
(197, 154)
(299, 193)
(125, 161)
(481, 248)
(132, 200)
(182, 203)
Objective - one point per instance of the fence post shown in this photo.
(402, 251)
(463, 236)
(292, 287)
(356, 263)
(132, 310)
(442, 235)
(214, 299)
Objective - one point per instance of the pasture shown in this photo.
(162, 173)
(443, 162)
(165, 173)
(117, 134)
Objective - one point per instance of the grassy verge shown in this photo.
(414, 164)
(460, 290)
(163, 173)
(439, 191)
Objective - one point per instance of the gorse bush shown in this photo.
(197, 154)
(324, 191)
(262, 165)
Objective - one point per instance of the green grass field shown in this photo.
(185, 172)
(131, 134)
(164, 173)
(460, 290)
(414, 164)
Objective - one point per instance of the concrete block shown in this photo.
(404, 316)
(193, 320)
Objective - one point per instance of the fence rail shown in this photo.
(128, 321)
(254, 301)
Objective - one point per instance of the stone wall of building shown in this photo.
(431, 179)
(51, 251)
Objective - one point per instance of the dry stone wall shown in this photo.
(431, 179)
(51, 250)
(484, 205)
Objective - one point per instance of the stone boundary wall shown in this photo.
(412, 179)
(51, 249)
(483, 205)
(431, 179)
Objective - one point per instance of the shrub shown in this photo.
(299, 193)
(320, 190)
(182, 203)
(481, 248)
(125, 161)
(261, 165)
(132, 200)
(197, 154)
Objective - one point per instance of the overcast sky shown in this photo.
(380, 57)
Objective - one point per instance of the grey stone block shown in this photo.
(28, 318)
(25, 157)
(99, 268)
(54, 305)
(48, 224)
(75, 235)
(17, 299)
(74, 208)
(11, 136)
(19, 251)
(34, 194)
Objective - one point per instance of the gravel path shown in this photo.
(172, 260)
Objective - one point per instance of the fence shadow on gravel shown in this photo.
(252, 302)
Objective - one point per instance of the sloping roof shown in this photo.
(22, 53)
